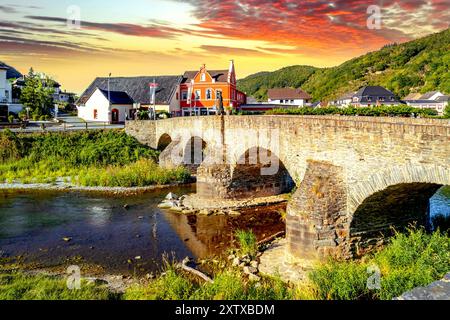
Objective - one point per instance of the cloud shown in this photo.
(320, 24)
(128, 29)
(7, 9)
(222, 50)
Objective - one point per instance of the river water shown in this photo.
(105, 234)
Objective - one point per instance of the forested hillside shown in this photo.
(416, 66)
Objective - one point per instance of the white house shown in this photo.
(6, 98)
(288, 96)
(138, 89)
(344, 100)
(431, 100)
(106, 106)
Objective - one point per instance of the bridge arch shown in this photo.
(259, 172)
(391, 199)
(164, 141)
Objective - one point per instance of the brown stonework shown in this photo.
(317, 212)
(338, 162)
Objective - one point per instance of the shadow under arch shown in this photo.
(164, 142)
(394, 208)
(259, 173)
(194, 153)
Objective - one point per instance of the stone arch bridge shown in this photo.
(355, 177)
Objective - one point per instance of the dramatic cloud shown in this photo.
(323, 25)
(128, 29)
(222, 50)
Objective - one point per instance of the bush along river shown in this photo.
(116, 234)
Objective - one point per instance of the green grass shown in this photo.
(410, 260)
(247, 242)
(228, 285)
(17, 286)
(100, 158)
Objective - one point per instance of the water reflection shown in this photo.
(104, 233)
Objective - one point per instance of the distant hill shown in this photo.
(417, 66)
(11, 73)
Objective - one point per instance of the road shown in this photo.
(70, 123)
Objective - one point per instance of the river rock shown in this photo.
(236, 262)
(172, 196)
(250, 270)
(254, 277)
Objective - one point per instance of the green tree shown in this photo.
(37, 93)
(447, 111)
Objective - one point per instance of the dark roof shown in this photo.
(443, 99)
(373, 91)
(136, 87)
(428, 95)
(117, 97)
(219, 75)
(11, 73)
(287, 93)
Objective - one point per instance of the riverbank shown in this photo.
(61, 186)
(83, 159)
(410, 260)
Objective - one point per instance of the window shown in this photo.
(198, 94)
(381, 98)
(184, 95)
(95, 114)
(369, 98)
(218, 94)
(203, 77)
(209, 94)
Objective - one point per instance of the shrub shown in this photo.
(247, 242)
(377, 111)
(408, 261)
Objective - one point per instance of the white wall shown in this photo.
(99, 102)
(4, 86)
(297, 102)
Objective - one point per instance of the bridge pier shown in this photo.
(317, 223)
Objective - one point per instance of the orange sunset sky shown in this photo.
(156, 37)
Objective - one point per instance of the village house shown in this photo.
(288, 96)
(94, 108)
(8, 103)
(374, 96)
(200, 92)
(344, 101)
(431, 100)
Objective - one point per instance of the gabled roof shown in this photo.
(428, 95)
(117, 97)
(374, 91)
(443, 99)
(288, 94)
(413, 96)
(11, 73)
(346, 96)
(136, 87)
(218, 75)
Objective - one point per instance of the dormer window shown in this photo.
(203, 77)
(369, 98)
